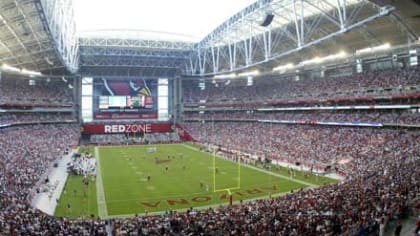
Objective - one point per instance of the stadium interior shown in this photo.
(326, 88)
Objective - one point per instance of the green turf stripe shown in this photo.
(102, 210)
(264, 171)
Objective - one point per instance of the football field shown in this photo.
(131, 180)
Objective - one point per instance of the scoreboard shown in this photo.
(134, 102)
(121, 99)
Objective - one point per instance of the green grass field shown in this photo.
(190, 181)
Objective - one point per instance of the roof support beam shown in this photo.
(17, 38)
(410, 32)
(252, 52)
(302, 22)
(135, 43)
(58, 19)
(341, 7)
(215, 58)
(14, 57)
(327, 15)
(267, 44)
(298, 35)
(248, 51)
(201, 61)
(28, 22)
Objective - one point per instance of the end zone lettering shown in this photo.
(128, 128)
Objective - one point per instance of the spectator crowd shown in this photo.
(381, 165)
(367, 116)
(381, 185)
(273, 89)
(40, 92)
(26, 152)
(34, 117)
(339, 146)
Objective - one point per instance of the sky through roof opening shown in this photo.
(186, 20)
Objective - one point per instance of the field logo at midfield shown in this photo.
(128, 128)
(208, 198)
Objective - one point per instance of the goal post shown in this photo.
(238, 176)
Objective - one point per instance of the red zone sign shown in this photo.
(126, 128)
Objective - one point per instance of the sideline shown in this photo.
(46, 201)
(261, 170)
(102, 210)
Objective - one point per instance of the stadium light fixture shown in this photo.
(374, 49)
(383, 46)
(342, 54)
(10, 68)
(314, 60)
(282, 68)
(21, 71)
(30, 72)
(364, 50)
(318, 60)
(249, 73)
(225, 76)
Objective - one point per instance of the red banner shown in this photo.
(126, 128)
(123, 116)
(183, 134)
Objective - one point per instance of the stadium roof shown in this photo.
(219, 37)
(180, 20)
(300, 30)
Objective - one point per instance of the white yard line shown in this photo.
(102, 210)
(264, 171)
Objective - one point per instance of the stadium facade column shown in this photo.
(77, 98)
(177, 105)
